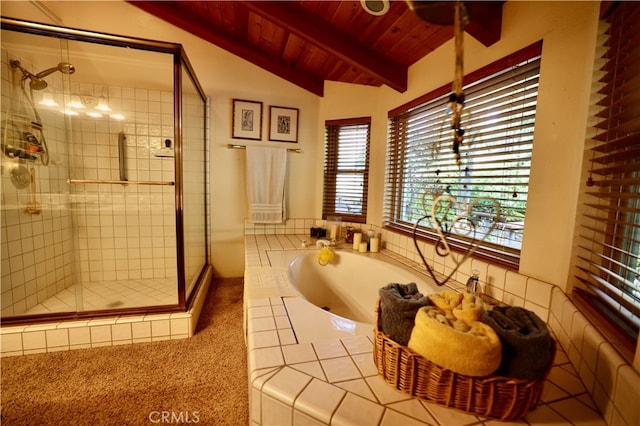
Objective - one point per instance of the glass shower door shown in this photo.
(36, 222)
(89, 217)
(122, 177)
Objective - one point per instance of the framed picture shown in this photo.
(283, 124)
(247, 119)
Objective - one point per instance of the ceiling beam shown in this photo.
(312, 29)
(198, 27)
(485, 23)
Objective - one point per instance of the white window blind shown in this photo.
(346, 169)
(498, 119)
(608, 260)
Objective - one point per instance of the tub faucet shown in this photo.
(472, 282)
(323, 243)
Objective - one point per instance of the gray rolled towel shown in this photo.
(527, 345)
(398, 306)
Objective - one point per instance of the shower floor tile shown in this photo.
(111, 295)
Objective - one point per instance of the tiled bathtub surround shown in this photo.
(334, 381)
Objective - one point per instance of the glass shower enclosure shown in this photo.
(104, 175)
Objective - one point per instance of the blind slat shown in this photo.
(619, 295)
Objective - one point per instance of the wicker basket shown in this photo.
(499, 397)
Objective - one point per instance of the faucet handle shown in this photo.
(472, 282)
(323, 243)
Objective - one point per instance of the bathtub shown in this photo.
(339, 299)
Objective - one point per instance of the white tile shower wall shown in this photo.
(36, 248)
(125, 232)
(612, 382)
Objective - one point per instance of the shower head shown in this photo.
(37, 81)
(63, 67)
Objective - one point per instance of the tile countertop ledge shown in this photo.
(332, 379)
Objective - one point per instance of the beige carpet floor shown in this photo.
(199, 380)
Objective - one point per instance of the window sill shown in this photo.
(622, 342)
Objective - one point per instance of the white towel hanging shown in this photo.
(266, 171)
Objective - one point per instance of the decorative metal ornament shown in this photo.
(449, 217)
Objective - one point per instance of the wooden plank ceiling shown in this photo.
(307, 42)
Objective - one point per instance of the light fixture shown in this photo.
(117, 116)
(75, 102)
(102, 105)
(375, 7)
(94, 114)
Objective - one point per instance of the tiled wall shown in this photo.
(124, 231)
(612, 382)
(36, 249)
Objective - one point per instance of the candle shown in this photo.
(357, 238)
(374, 243)
(333, 234)
(363, 247)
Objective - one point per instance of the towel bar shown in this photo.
(233, 145)
(120, 182)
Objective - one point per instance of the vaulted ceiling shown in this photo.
(308, 42)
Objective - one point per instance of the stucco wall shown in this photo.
(568, 31)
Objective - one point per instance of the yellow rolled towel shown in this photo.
(470, 309)
(446, 300)
(471, 348)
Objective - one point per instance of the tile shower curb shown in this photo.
(108, 331)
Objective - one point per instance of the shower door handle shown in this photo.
(122, 159)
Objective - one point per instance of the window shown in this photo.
(346, 169)
(608, 260)
(498, 119)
